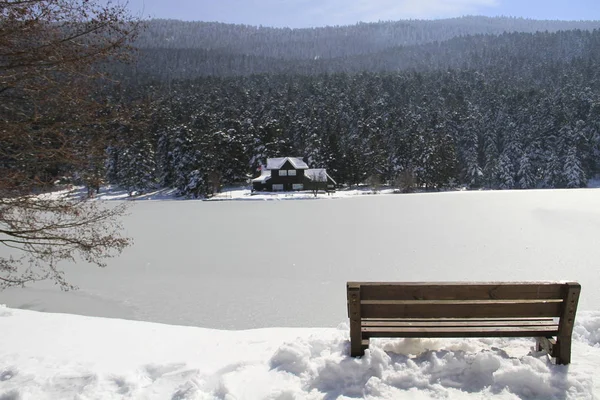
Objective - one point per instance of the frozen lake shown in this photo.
(250, 264)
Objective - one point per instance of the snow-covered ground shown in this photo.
(58, 356)
(227, 193)
(195, 262)
(282, 265)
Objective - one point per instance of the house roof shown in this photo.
(318, 175)
(276, 163)
(265, 176)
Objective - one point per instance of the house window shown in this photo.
(283, 172)
(278, 187)
(297, 186)
(291, 172)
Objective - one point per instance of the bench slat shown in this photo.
(450, 291)
(461, 319)
(458, 323)
(512, 331)
(502, 310)
(457, 301)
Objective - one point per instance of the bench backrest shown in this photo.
(446, 300)
(460, 300)
(459, 309)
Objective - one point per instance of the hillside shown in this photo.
(185, 50)
(337, 41)
(476, 103)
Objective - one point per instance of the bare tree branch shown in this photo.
(54, 119)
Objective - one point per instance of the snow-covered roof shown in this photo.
(318, 175)
(276, 163)
(265, 176)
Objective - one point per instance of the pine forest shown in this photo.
(473, 102)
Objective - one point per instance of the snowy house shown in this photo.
(291, 173)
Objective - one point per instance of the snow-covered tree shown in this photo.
(574, 175)
(136, 167)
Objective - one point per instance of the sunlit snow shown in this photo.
(254, 264)
(282, 266)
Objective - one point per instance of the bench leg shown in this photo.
(563, 350)
(546, 344)
(356, 341)
(357, 349)
(356, 346)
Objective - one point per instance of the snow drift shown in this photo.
(56, 356)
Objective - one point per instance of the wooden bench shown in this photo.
(544, 310)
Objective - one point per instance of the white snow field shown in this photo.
(256, 264)
(47, 356)
(282, 265)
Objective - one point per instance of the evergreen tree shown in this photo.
(136, 167)
(505, 172)
(573, 172)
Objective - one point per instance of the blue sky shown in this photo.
(307, 13)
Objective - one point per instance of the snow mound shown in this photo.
(4, 311)
(57, 356)
(587, 328)
(323, 369)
